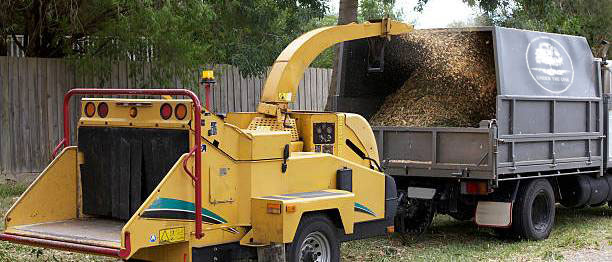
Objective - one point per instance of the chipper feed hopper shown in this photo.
(166, 180)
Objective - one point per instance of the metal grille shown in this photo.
(289, 125)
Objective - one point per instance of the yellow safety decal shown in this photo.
(172, 235)
(285, 96)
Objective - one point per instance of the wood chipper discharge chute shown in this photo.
(165, 180)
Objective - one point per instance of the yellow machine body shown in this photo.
(252, 193)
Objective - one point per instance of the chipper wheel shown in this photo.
(315, 241)
(533, 214)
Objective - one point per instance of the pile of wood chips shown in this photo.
(451, 80)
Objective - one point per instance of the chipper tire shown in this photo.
(533, 215)
(315, 240)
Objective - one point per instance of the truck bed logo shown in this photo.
(549, 64)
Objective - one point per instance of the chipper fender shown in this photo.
(275, 219)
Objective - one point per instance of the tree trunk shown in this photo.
(347, 13)
(3, 45)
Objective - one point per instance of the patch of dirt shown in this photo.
(589, 255)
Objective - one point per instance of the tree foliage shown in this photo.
(176, 34)
(588, 18)
(367, 10)
(377, 9)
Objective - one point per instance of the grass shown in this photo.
(446, 240)
(451, 240)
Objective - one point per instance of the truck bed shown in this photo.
(485, 152)
(437, 152)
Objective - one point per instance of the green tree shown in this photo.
(326, 58)
(356, 11)
(367, 10)
(347, 13)
(177, 35)
(377, 9)
(588, 18)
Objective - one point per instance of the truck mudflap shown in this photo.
(493, 214)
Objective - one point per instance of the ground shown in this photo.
(579, 235)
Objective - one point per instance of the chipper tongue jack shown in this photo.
(166, 180)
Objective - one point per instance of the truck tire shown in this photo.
(609, 179)
(315, 240)
(534, 210)
(414, 216)
(599, 191)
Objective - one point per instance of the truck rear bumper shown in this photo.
(67, 246)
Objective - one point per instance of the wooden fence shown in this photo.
(31, 97)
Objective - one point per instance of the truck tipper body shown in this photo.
(549, 136)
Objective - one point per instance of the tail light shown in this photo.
(90, 109)
(180, 111)
(474, 188)
(274, 208)
(165, 111)
(102, 110)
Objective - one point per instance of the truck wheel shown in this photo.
(414, 216)
(314, 241)
(534, 210)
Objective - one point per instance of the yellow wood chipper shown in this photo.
(166, 180)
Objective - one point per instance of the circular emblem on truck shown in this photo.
(549, 64)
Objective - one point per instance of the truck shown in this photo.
(168, 180)
(548, 143)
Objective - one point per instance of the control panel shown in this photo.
(324, 137)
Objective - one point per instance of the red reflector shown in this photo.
(102, 110)
(475, 187)
(472, 188)
(165, 111)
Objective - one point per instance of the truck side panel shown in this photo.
(438, 152)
